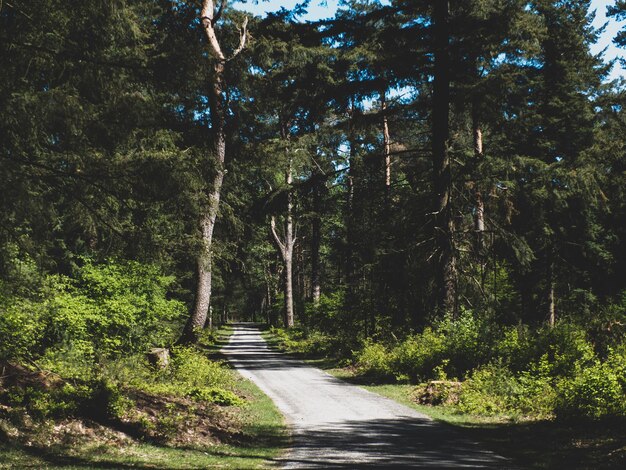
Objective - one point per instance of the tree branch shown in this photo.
(243, 34)
(279, 243)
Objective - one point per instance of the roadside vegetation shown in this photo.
(548, 396)
(77, 387)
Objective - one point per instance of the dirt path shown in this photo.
(339, 425)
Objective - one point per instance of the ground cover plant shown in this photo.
(77, 386)
(506, 385)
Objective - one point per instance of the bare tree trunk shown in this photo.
(444, 225)
(316, 235)
(386, 145)
(198, 317)
(551, 311)
(479, 216)
(285, 247)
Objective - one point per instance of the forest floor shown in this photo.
(169, 433)
(340, 425)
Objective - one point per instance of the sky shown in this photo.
(320, 9)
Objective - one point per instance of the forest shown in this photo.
(428, 193)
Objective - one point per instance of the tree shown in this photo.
(209, 17)
(619, 12)
(442, 173)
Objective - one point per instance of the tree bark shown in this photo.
(444, 227)
(386, 146)
(217, 103)
(316, 235)
(551, 309)
(285, 246)
(479, 205)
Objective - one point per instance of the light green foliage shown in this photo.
(594, 392)
(467, 341)
(566, 348)
(191, 374)
(106, 310)
(312, 343)
(512, 371)
(417, 356)
(194, 368)
(120, 307)
(218, 396)
(374, 360)
(489, 390)
(20, 328)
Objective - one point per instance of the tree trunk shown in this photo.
(479, 206)
(217, 103)
(444, 228)
(285, 247)
(386, 146)
(199, 315)
(551, 311)
(316, 235)
(288, 257)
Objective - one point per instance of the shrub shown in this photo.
(120, 307)
(374, 360)
(594, 392)
(467, 342)
(566, 349)
(418, 355)
(21, 329)
(489, 391)
(194, 369)
(218, 396)
(515, 347)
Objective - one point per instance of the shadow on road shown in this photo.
(405, 442)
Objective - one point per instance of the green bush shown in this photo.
(566, 349)
(374, 360)
(21, 329)
(489, 390)
(594, 392)
(218, 396)
(120, 307)
(194, 369)
(418, 355)
(515, 346)
(468, 342)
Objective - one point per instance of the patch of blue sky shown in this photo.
(324, 9)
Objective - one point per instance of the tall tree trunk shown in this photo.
(444, 228)
(285, 246)
(350, 213)
(551, 310)
(198, 318)
(386, 146)
(479, 216)
(288, 258)
(316, 235)
(479, 205)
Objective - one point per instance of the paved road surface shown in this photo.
(339, 425)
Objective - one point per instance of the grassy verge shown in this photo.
(262, 437)
(158, 425)
(537, 444)
(540, 444)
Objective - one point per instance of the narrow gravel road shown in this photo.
(339, 425)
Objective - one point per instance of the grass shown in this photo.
(260, 436)
(545, 444)
(538, 444)
(263, 438)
